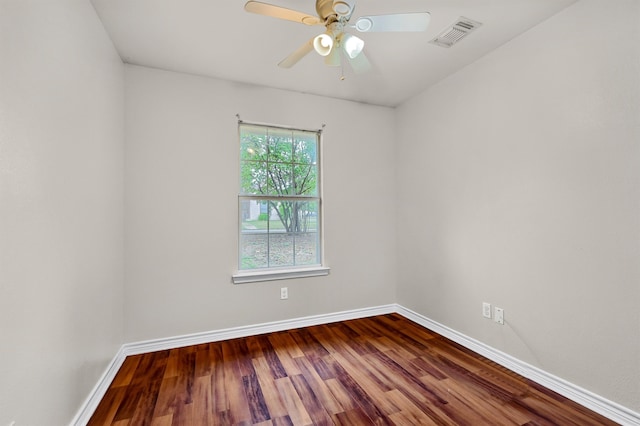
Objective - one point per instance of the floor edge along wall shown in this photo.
(594, 402)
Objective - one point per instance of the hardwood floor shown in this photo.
(382, 370)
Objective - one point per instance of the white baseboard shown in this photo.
(587, 399)
(251, 330)
(600, 405)
(99, 390)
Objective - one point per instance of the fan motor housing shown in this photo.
(337, 8)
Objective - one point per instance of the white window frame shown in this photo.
(280, 273)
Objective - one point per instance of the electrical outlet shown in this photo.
(498, 315)
(486, 310)
(284, 293)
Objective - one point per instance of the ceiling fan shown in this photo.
(335, 43)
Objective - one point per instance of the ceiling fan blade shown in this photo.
(395, 22)
(360, 63)
(293, 59)
(267, 9)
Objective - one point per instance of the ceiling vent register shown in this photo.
(456, 32)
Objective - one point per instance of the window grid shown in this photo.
(293, 196)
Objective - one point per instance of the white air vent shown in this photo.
(456, 32)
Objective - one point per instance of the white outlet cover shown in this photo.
(486, 310)
(498, 315)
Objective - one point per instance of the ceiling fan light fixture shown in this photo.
(323, 44)
(352, 45)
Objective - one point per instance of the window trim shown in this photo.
(288, 272)
(273, 274)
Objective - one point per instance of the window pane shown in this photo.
(253, 147)
(280, 249)
(280, 146)
(305, 147)
(307, 249)
(275, 223)
(305, 179)
(254, 250)
(253, 177)
(254, 244)
(294, 216)
(307, 239)
(311, 216)
(279, 179)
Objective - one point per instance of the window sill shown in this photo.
(279, 274)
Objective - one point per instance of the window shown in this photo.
(279, 203)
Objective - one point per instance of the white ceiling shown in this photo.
(219, 39)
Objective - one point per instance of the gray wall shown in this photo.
(519, 181)
(182, 195)
(61, 208)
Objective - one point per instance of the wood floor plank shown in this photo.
(183, 415)
(474, 404)
(287, 343)
(127, 408)
(394, 345)
(358, 343)
(257, 404)
(323, 369)
(204, 363)
(360, 372)
(108, 407)
(162, 421)
(186, 376)
(167, 397)
(312, 404)
(356, 416)
(296, 409)
(269, 389)
(147, 402)
(428, 401)
(341, 395)
(408, 412)
(429, 367)
(233, 386)
(383, 370)
(359, 395)
(219, 399)
(127, 371)
(319, 387)
(171, 369)
(282, 421)
(203, 400)
(145, 369)
(286, 350)
(308, 343)
(277, 369)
